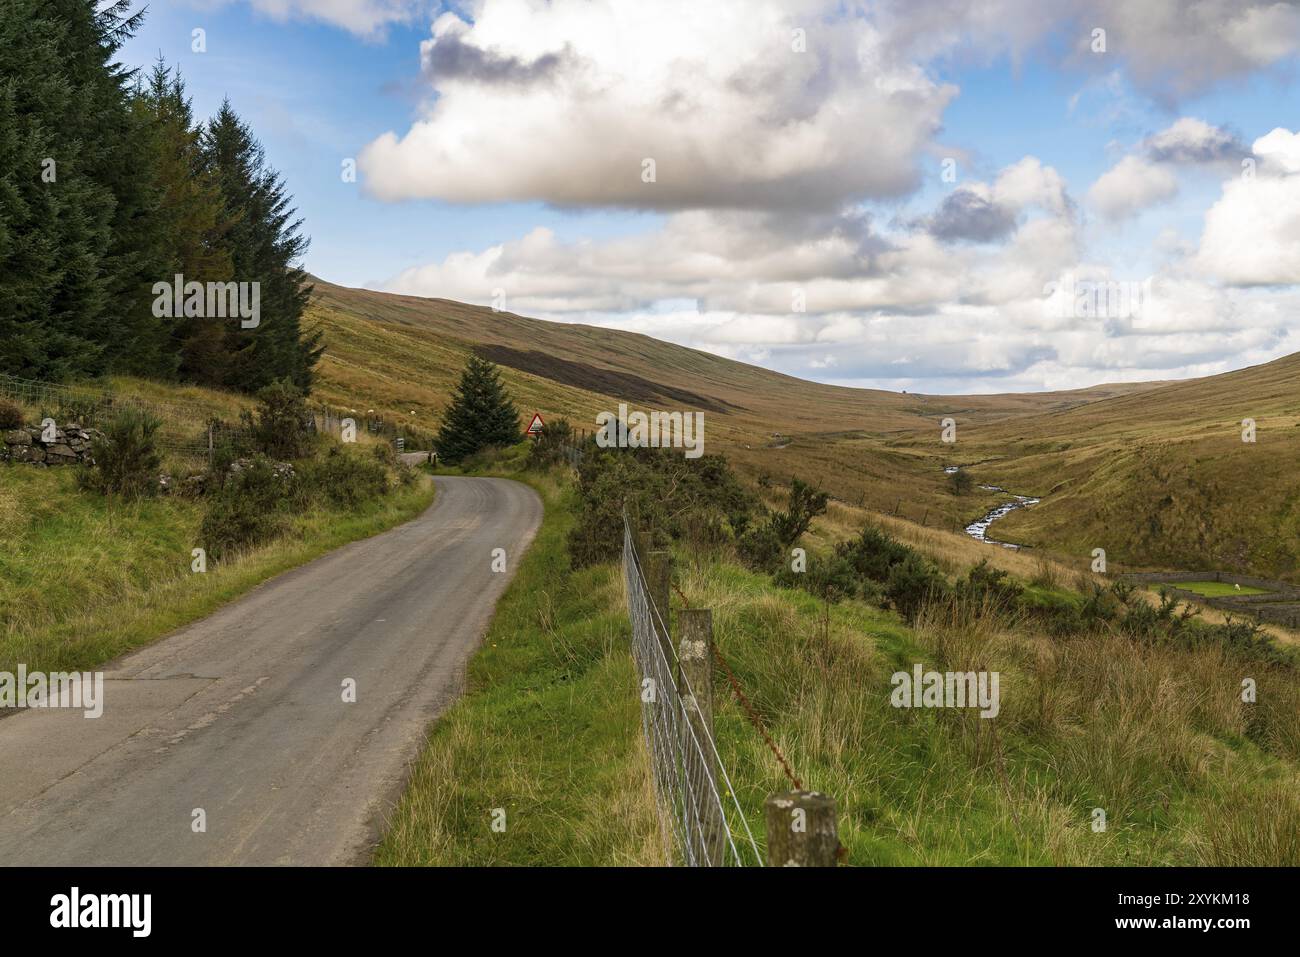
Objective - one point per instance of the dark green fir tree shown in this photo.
(481, 414)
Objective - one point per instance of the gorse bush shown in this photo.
(872, 567)
(126, 458)
(551, 447)
(987, 587)
(765, 547)
(342, 477)
(11, 417)
(245, 511)
(279, 428)
(912, 583)
(668, 497)
(250, 507)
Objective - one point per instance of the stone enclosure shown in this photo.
(1279, 605)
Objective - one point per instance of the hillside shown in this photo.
(1156, 473)
(403, 354)
(1162, 478)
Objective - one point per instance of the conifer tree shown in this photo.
(265, 246)
(74, 240)
(481, 414)
(191, 219)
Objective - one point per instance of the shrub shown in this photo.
(243, 512)
(1046, 575)
(279, 429)
(912, 583)
(11, 417)
(667, 496)
(126, 457)
(765, 546)
(988, 587)
(960, 482)
(343, 477)
(551, 447)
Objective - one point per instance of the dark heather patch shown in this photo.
(621, 385)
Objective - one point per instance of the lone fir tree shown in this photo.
(481, 414)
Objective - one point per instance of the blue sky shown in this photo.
(500, 145)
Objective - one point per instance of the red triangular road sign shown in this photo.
(537, 425)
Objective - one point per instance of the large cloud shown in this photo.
(564, 102)
(767, 160)
(1252, 234)
(1174, 49)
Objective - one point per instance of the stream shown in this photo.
(978, 529)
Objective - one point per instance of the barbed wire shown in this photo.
(750, 712)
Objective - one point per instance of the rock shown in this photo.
(18, 437)
(164, 483)
(59, 454)
(27, 453)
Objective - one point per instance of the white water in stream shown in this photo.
(978, 529)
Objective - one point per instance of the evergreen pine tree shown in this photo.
(72, 205)
(265, 246)
(190, 218)
(481, 414)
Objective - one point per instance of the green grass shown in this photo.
(549, 730)
(1156, 736)
(1218, 589)
(84, 579)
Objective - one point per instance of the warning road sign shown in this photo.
(536, 426)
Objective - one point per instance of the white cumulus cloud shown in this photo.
(1130, 186)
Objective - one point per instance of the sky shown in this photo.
(942, 197)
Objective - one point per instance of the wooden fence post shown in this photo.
(706, 832)
(801, 830)
(658, 583)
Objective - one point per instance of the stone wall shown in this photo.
(1279, 606)
(70, 446)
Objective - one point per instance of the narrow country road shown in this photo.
(243, 715)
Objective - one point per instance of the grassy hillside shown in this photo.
(1160, 479)
(403, 354)
(1155, 473)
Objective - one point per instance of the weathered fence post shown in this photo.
(801, 830)
(209, 443)
(706, 833)
(658, 583)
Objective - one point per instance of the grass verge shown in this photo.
(549, 729)
(84, 579)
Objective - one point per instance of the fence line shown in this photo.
(185, 427)
(706, 829)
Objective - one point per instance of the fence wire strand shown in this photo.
(696, 802)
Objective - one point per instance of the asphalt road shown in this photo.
(242, 714)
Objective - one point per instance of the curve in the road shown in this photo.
(242, 715)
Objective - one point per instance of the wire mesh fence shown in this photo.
(184, 428)
(700, 818)
(403, 435)
(187, 429)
